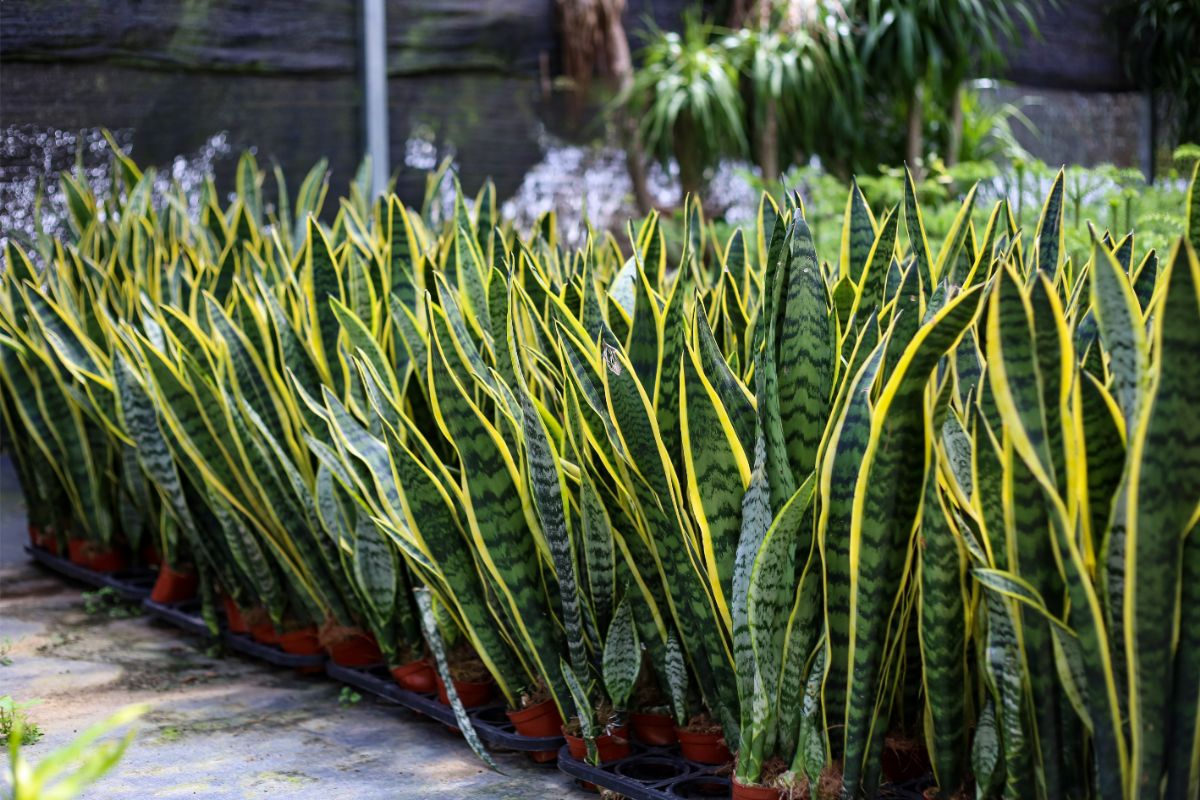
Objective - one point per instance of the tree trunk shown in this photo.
(954, 145)
(768, 143)
(691, 173)
(913, 143)
(622, 69)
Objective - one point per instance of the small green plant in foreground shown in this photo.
(12, 717)
(348, 697)
(65, 772)
(108, 602)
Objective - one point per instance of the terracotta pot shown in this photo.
(416, 676)
(264, 633)
(610, 747)
(741, 792)
(44, 539)
(301, 642)
(86, 554)
(471, 693)
(656, 730)
(538, 720)
(703, 748)
(174, 586)
(357, 650)
(233, 616)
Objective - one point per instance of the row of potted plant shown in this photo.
(837, 522)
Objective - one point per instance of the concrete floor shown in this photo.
(220, 726)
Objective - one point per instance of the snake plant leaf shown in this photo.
(769, 591)
(905, 318)
(471, 278)
(1049, 235)
(987, 750)
(645, 336)
(547, 483)
(251, 377)
(1164, 489)
(1122, 331)
(884, 510)
(1105, 448)
(736, 257)
(495, 516)
(438, 648)
(1004, 674)
(430, 518)
(811, 751)
(717, 474)
(677, 677)
(734, 395)
(806, 344)
(667, 397)
(942, 609)
(914, 226)
(956, 244)
(154, 455)
(858, 235)
(1013, 370)
(403, 254)
(622, 656)
(1183, 769)
(583, 708)
(873, 281)
(660, 500)
(1193, 209)
(837, 478)
(321, 280)
(598, 550)
(375, 569)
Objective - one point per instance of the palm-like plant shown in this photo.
(908, 45)
(686, 96)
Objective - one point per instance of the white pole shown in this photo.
(375, 92)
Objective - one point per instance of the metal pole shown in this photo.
(375, 92)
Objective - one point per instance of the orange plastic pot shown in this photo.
(610, 747)
(174, 586)
(656, 730)
(471, 693)
(416, 676)
(43, 539)
(357, 650)
(741, 792)
(703, 748)
(233, 616)
(301, 642)
(264, 633)
(86, 554)
(538, 720)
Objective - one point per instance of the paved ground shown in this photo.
(220, 727)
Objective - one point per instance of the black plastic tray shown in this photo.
(490, 721)
(185, 616)
(660, 773)
(272, 654)
(131, 584)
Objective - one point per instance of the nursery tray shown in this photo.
(131, 584)
(272, 654)
(490, 721)
(186, 616)
(660, 773)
